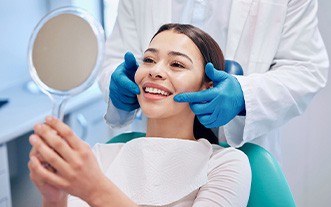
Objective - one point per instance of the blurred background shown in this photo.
(305, 140)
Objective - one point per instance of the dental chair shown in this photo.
(269, 187)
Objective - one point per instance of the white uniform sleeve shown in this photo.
(229, 180)
(298, 71)
(118, 118)
(123, 38)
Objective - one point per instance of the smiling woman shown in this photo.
(174, 63)
(172, 165)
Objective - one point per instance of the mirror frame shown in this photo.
(100, 37)
(59, 97)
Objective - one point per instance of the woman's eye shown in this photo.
(177, 65)
(148, 60)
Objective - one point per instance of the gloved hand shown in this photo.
(122, 88)
(216, 106)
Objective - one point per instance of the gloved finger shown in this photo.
(124, 84)
(134, 106)
(205, 120)
(127, 99)
(208, 120)
(126, 88)
(215, 75)
(218, 118)
(130, 62)
(212, 125)
(201, 108)
(123, 98)
(209, 70)
(195, 97)
(126, 106)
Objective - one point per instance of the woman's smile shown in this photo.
(155, 91)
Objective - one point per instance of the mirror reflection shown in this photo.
(64, 55)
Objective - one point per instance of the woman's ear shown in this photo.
(209, 84)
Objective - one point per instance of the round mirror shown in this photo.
(65, 54)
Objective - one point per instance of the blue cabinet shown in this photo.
(5, 200)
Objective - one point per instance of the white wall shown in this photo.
(307, 139)
(17, 20)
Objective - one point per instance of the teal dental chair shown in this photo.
(269, 187)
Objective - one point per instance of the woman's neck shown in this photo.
(174, 127)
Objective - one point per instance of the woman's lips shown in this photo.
(155, 91)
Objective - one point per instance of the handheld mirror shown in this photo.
(65, 53)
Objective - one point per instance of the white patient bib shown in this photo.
(158, 171)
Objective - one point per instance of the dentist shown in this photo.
(277, 44)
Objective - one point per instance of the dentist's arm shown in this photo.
(218, 105)
(124, 37)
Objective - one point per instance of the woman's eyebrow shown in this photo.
(174, 53)
(153, 50)
(171, 53)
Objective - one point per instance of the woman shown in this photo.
(172, 165)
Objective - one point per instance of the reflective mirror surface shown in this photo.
(65, 53)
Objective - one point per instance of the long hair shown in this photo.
(211, 52)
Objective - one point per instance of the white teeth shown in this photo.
(156, 91)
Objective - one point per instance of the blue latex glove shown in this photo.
(216, 106)
(122, 88)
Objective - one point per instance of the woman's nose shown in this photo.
(157, 72)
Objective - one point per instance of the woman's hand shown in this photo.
(61, 163)
(72, 166)
(51, 195)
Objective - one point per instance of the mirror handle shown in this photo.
(58, 106)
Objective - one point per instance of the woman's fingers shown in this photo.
(54, 141)
(34, 152)
(41, 176)
(49, 156)
(64, 131)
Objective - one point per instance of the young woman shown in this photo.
(173, 165)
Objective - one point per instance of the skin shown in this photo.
(170, 59)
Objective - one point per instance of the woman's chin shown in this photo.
(154, 112)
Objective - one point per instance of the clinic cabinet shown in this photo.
(5, 200)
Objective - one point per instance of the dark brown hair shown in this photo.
(211, 53)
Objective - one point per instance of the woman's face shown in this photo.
(172, 64)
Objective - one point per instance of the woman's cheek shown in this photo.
(138, 75)
(187, 83)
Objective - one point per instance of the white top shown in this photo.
(174, 172)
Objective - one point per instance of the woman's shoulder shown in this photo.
(228, 155)
(219, 151)
(229, 178)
